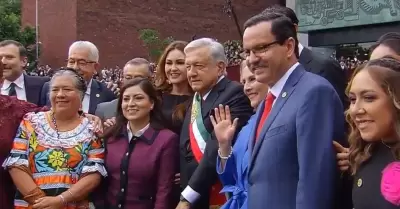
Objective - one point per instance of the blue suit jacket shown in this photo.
(292, 164)
(99, 93)
(234, 176)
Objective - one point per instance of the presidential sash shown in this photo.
(199, 135)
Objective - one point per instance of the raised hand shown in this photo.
(224, 128)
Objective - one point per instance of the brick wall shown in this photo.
(113, 25)
(57, 27)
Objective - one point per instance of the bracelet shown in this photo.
(227, 157)
(70, 193)
(63, 199)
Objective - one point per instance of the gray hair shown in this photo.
(93, 51)
(78, 81)
(216, 48)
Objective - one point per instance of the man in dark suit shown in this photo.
(16, 82)
(135, 68)
(83, 56)
(206, 63)
(315, 62)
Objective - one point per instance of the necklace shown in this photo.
(390, 147)
(65, 156)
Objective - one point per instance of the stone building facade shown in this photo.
(113, 24)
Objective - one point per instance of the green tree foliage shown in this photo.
(154, 44)
(10, 26)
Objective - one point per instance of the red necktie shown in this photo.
(267, 108)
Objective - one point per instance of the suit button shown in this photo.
(123, 172)
(122, 190)
(119, 206)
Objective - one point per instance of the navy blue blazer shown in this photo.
(99, 93)
(33, 88)
(293, 164)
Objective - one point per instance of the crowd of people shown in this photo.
(184, 136)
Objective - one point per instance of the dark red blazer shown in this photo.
(141, 172)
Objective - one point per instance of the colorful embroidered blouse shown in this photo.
(56, 163)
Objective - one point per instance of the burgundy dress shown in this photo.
(11, 112)
(140, 171)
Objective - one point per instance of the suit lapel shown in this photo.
(209, 103)
(95, 96)
(31, 90)
(279, 103)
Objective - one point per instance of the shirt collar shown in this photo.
(138, 133)
(277, 88)
(19, 82)
(88, 88)
(208, 93)
(301, 47)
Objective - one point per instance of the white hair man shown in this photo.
(83, 56)
(206, 65)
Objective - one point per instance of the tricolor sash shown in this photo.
(198, 137)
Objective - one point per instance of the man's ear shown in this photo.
(221, 68)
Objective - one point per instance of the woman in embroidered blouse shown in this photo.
(232, 168)
(56, 159)
(140, 154)
(374, 117)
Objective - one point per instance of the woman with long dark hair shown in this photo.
(140, 154)
(374, 118)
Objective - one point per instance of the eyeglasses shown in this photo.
(79, 62)
(258, 51)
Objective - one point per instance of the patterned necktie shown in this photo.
(267, 108)
(12, 91)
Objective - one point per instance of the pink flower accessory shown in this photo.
(390, 183)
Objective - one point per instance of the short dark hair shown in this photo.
(284, 11)
(391, 40)
(281, 27)
(21, 47)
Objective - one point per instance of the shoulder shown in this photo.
(106, 104)
(234, 85)
(36, 80)
(167, 134)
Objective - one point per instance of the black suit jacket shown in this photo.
(201, 176)
(33, 87)
(328, 68)
(99, 93)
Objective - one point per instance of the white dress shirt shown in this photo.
(301, 47)
(86, 98)
(188, 193)
(277, 88)
(19, 87)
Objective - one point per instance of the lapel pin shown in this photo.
(284, 94)
(97, 95)
(359, 182)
